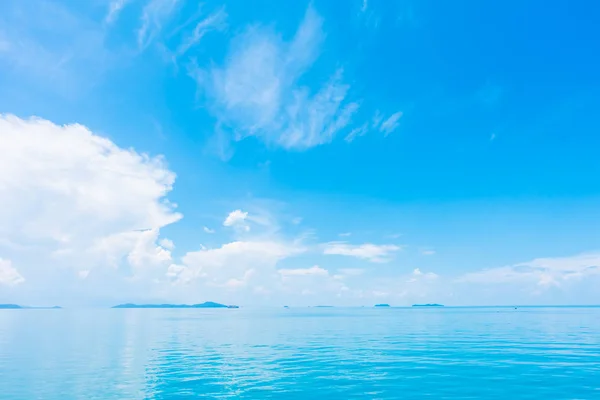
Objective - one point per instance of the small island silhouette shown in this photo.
(18, 307)
(428, 305)
(208, 304)
(382, 305)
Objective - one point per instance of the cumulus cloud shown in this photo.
(75, 200)
(235, 265)
(542, 272)
(314, 270)
(314, 283)
(257, 92)
(9, 275)
(237, 219)
(167, 244)
(367, 251)
(418, 275)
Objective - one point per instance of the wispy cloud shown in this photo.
(378, 123)
(357, 132)
(155, 14)
(215, 21)
(256, 92)
(206, 229)
(389, 125)
(114, 9)
(367, 251)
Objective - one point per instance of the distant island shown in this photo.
(18, 307)
(382, 305)
(428, 305)
(208, 304)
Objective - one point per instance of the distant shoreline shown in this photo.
(18, 307)
(218, 305)
(208, 304)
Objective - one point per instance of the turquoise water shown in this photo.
(310, 353)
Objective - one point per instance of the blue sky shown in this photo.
(299, 153)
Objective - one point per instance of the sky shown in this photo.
(299, 153)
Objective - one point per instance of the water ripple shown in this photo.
(550, 353)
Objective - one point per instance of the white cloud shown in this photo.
(357, 132)
(60, 179)
(386, 126)
(155, 14)
(208, 230)
(237, 219)
(345, 234)
(256, 92)
(351, 271)
(9, 276)
(230, 263)
(114, 9)
(314, 270)
(167, 244)
(427, 252)
(74, 201)
(367, 251)
(215, 21)
(541, 272)
(418, 274)
(145, 253)
(389, 125)
(315, 282)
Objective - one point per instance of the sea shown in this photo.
(301, 353)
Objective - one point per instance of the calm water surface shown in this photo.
(310, 353)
